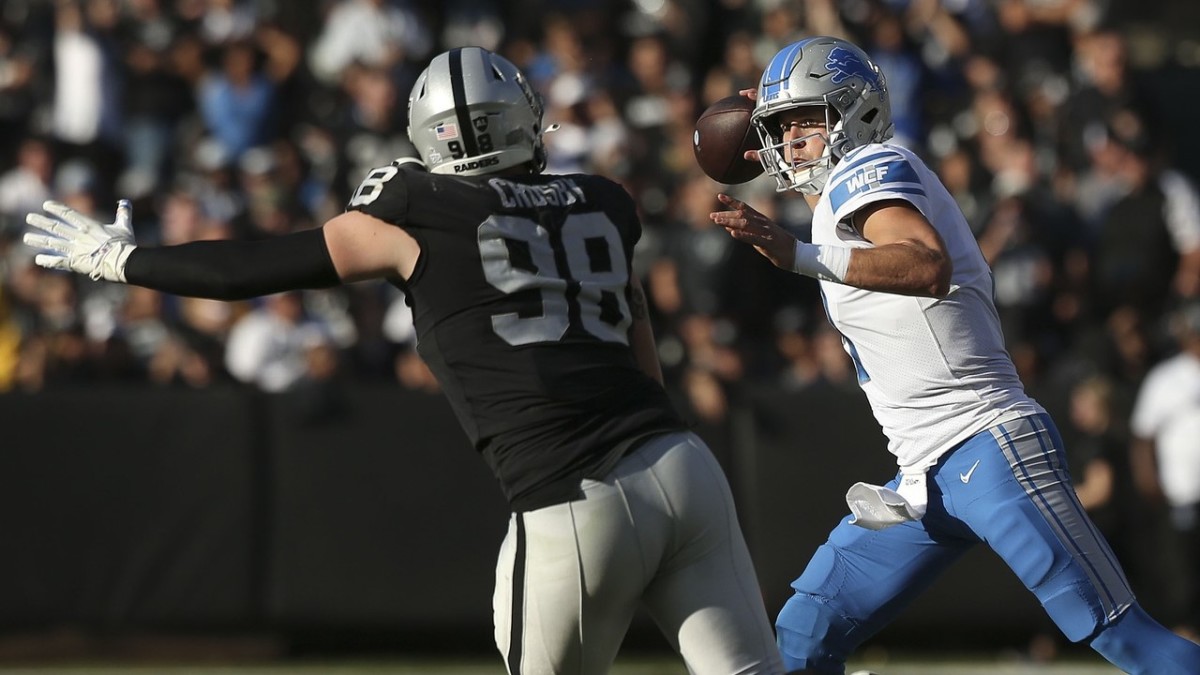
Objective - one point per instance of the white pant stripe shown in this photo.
(1039, 470)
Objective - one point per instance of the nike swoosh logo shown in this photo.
(966, 477)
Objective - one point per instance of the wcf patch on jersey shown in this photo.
(872, 177)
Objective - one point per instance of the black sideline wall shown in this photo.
(365, 511)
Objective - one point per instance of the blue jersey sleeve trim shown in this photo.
(895, 176)
(861, 200)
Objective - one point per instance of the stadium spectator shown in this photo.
(19, 65)
(736, 71)
(1147, 247)
(26, 183)
(370, 131)
(473, 22)
(608, 136)
(1101, 88)
(156, 100)
(384, 34)
(147, 337)
(1026, 240)
(209, 177)
(225, 21)
(964, 181)
(658, 107)
(1166, 461)
(319, 395)
(904, 71)
(237, 99)
(268, 346)
(703, 260)
(812, 351)
(86, 111)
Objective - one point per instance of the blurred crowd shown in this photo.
(1058, 125)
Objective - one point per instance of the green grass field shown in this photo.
(645, 666)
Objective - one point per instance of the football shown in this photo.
(722, 137)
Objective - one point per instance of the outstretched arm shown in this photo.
(235, 270)
(350, 247)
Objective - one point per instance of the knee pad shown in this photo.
(812, 630)
(1073, 610)
(812, 635)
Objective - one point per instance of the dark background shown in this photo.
(226, 512)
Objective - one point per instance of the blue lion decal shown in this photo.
(844, 64)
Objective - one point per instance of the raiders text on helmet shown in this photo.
(472, 112)
(835, 75)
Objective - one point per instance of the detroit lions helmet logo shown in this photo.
(844, 64)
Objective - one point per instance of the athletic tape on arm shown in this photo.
(827, 263)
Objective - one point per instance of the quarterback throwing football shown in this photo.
(906, 285)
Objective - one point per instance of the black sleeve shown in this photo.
(235, 270)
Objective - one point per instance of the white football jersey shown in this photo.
(934, 370)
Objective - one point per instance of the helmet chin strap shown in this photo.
(810, 180)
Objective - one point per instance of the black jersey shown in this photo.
(521, 304)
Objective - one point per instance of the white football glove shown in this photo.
(77, 243)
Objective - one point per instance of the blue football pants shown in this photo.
(1007, 486)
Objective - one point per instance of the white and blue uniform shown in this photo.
(935, 370)
(944, 390)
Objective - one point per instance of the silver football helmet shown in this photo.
(472, 112)
(830, 73)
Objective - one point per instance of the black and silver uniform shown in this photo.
(521, 304)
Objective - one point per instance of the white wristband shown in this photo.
(827, 263)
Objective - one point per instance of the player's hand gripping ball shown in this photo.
(722, 137)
